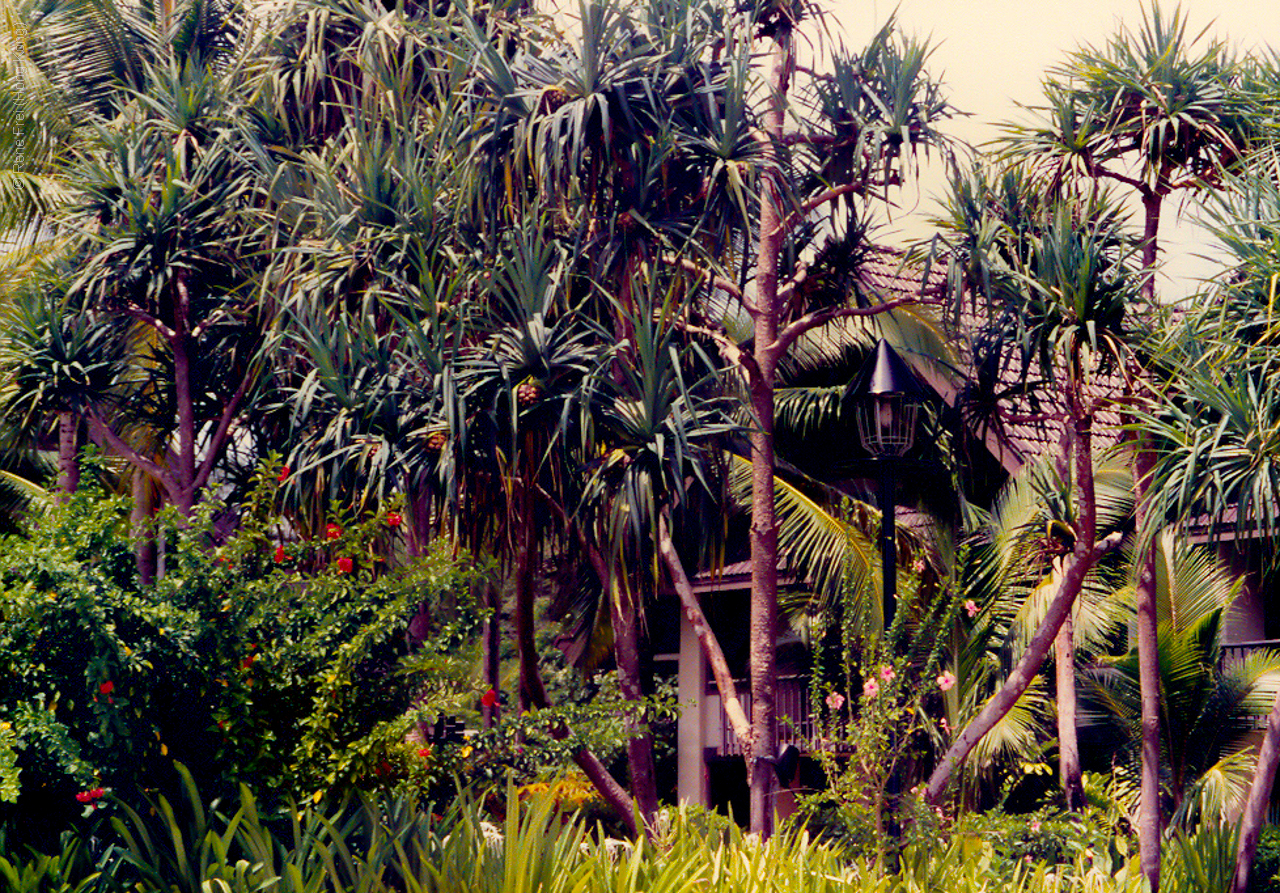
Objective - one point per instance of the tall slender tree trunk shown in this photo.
(68, 452)
(1145, 597)
(1064, 648)
(1255, 807)
(1148, 677)
(184, 494)
(764, 522)
(532, 692)
(1068, 579)
(626, 648)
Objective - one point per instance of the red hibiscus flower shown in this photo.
(280, 555)
(107, 687)
(393, 519)
(344, 565)
(284, 474)
(489, 698)
(332, 531)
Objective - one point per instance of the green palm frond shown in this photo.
(820, 547)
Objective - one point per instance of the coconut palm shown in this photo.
(1209, 711)
(1009, 573)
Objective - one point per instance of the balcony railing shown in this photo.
(1236, 652)
(795, 721)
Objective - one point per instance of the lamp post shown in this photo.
(887, 402)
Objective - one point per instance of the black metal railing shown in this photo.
(795, 719)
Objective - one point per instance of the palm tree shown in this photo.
(1059, 288)
(1154, 112)
(1209, 711)
(1215, 457)
(659, 418)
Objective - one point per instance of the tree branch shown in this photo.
(820, 318)
(792, 220)
(142, 316)
(706, 638)
(103, 432)
(220, 433)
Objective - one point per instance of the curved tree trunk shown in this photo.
(1068, 743)
(1255, 807)
(711, 649)
(626, 648)
(1068, 581)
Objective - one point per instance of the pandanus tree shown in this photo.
(1154, 112)
(659, 415)
(57, 362)
(1216, 460)
(1061, 292)
(660, 134)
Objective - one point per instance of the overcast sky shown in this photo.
(992, 54)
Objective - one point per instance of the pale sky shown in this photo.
(992, 54)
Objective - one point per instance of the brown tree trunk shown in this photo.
(605, 784)
(1148, 677)
(1069, 580)
(532, 692)
(1255, 807)
(626, 649)
(184, 494)
(706, 638)
(68, 452)
(1068, 743)
(142, 528)
(764, 523)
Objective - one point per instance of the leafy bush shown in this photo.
(1264, 876)
(283, 665)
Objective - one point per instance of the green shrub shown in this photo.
(294, 676)
(1264, 875)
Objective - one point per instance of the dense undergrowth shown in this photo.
(517, 841)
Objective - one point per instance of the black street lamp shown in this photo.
(887, 401)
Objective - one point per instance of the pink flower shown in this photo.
(887, 673)
(946, 726)
(946, 680)
(971, 607)
(835, 700)
(1035, 827)
(870, 688)
(344, 565)
(918, 566)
